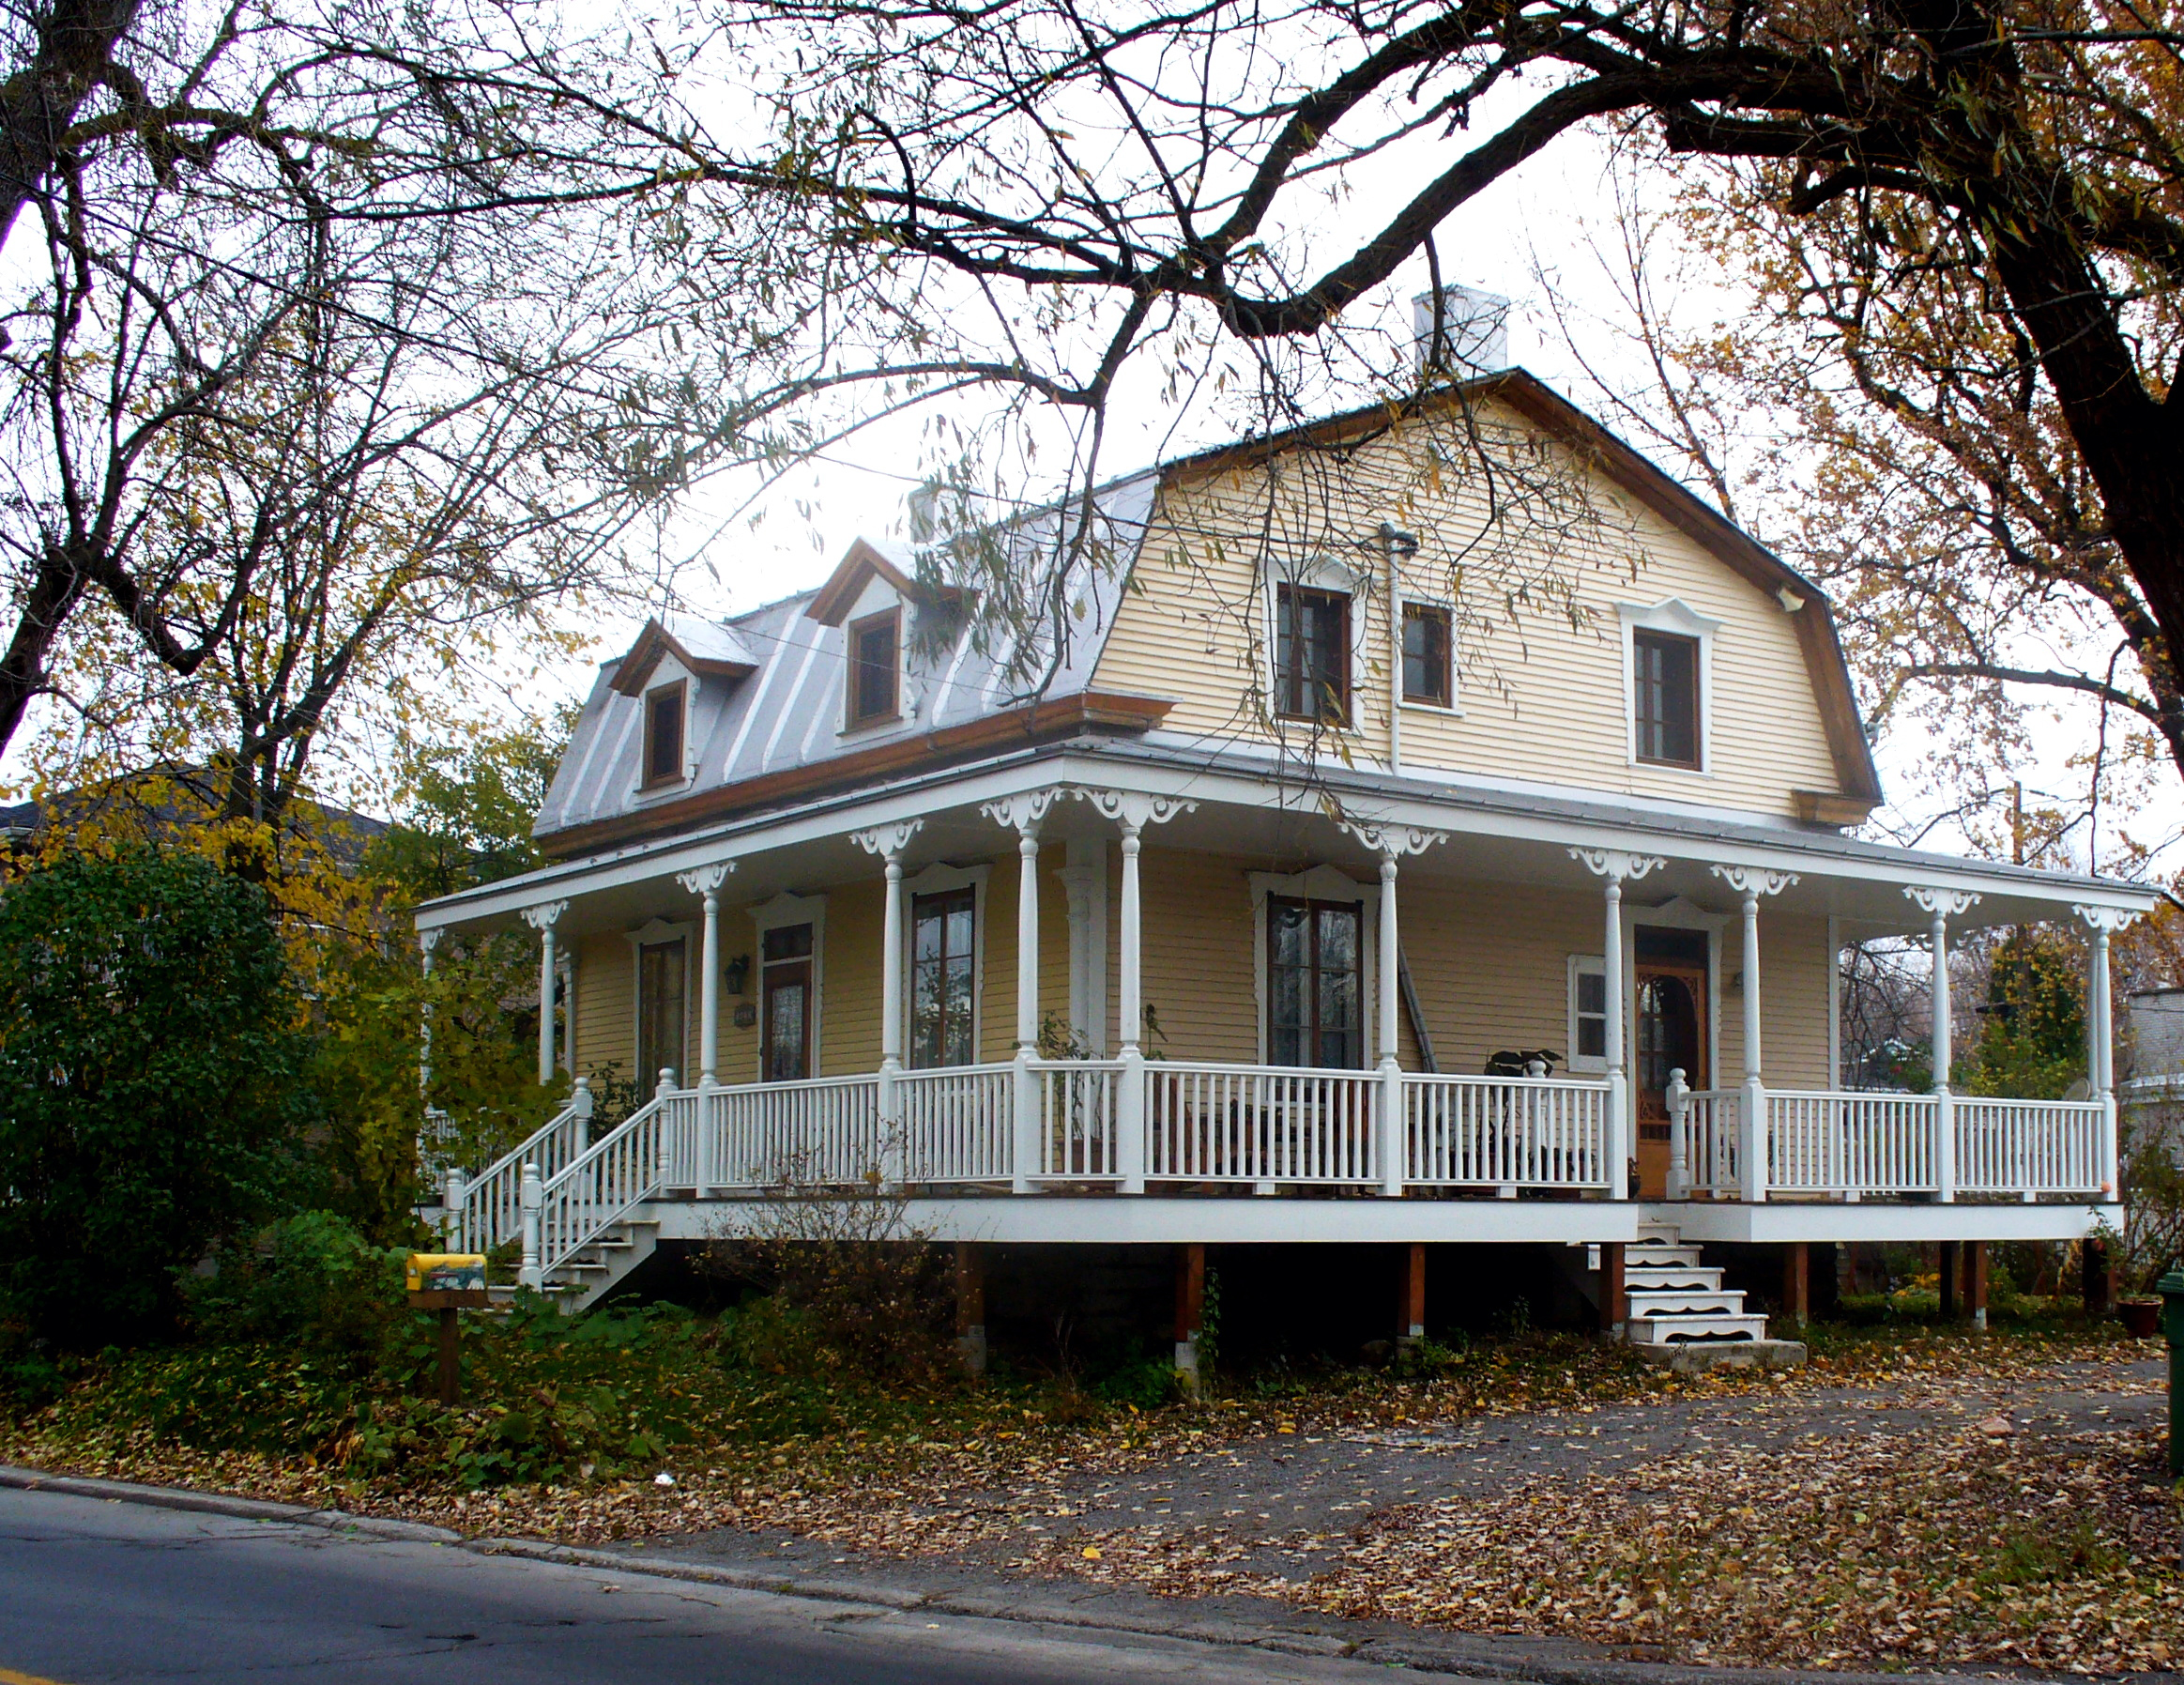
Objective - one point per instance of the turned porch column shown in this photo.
(706, 883)
(2100, 924)
(543, 918)
(1615, 867)
(1391, 842)
(1023, 814)
(887, 842)
(1750, 884)
(1943, 904)
(1132, 811)
(426, 942)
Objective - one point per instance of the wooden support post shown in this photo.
(1975, 1281)
(450, 1356)
(1798, 1283)
(1612, 1303)
(1951, 1297)
(1411, 1312)
(1190, 1310)
(970, 1304)
(2100, 1279)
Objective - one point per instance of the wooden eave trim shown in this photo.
(1057, 716)
(835, 598)
(635, 669)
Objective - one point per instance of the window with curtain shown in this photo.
(943, 968)
(1315, 1009)
(784, 991)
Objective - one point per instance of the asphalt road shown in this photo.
(94, 1590)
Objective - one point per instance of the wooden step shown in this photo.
(1716, 1302)
(1674, 1330)
(1695, 1276)
(1648, 1254)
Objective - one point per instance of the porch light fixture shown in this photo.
(736, 973)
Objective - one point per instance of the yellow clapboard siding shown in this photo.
(1542, 697)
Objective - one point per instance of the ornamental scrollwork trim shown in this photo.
(888, 841)
(1393, 841)
(706, 879)
(1754, 880)
(1949, 903)
(1617, 863)
(2106, 920)
(1133, 809)
(1023, 811)
(545, 915)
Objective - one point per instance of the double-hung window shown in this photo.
(663, 710)
(875, 678)
(1315, 1009)
(943, 978)
(1665, 698)
(1312, 654)
(1428, 655)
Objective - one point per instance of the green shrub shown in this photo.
(150, 1086)
(309, 1281)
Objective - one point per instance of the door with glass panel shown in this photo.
(1315, 1017)
(785, 986)
(661, 1034)
(1671, 967)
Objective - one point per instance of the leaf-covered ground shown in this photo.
(1907, 1500)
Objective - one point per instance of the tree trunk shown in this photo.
(39, 100)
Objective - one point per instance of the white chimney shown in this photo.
(1475, 334)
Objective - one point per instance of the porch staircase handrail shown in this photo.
(485, 1211)
(600, 1185)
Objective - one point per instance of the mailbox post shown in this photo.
(450, 1283)
(2171, 1288)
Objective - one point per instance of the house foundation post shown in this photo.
(1797, 1282)
(1950, 1271)
(1612, 1293)
(887, 842)
(1411, 1310)
(1976, 1282)
(1190, 1310)
(971, 1306)
(543, 918)
(2096, 1277)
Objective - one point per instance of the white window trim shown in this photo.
(1321, 883)
(1670, 614)
(647, 935)
(1584, 965)
(1453, 708)
(1328, 573)
(935, 880)
(789, 908)
(668, 672)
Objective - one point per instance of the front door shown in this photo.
(1671, 1035)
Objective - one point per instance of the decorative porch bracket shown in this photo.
(1391, 842)
(1023, 812)
(2100, 924)
(1750, 882)
(1131, 810)
(888, 842)
(1943, 904)
(1617, 867)
(543, 918)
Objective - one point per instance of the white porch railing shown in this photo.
(1851, 1143)
(1712, 1126)
(485, 1211)
(957, 1124)
(2028, 1147)
(823, 1133)
(1078, 1100)
(1506, 1133)
(1260, 1124)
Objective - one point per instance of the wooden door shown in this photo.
(1671, 1035)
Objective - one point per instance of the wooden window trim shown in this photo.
(1439, 612)
(1288, 677)
(853, 669)
(1640, 637)
(654, 700)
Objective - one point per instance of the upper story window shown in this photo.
(1665, 698)
(1311, 678)
(664, 734)
(1428, 655)
(875, 645)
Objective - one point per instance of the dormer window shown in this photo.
(664, 734)
(875, 677)
(1665, 698)
(1311, 677)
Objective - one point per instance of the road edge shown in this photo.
(1467, 1656)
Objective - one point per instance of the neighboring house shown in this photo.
(1310, 863)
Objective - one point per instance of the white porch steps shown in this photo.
(1670, 1298)
(599, 1266)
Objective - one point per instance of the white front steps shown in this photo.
(1670, 1298)
(596, 1268)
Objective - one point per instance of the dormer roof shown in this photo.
(709, 650)
(863, 562)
